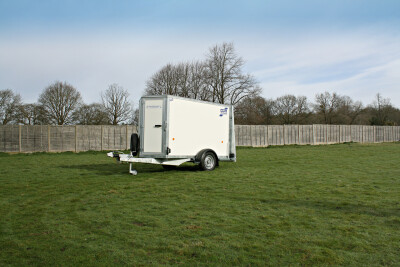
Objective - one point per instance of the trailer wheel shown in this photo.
(134, 144)
(208, 161)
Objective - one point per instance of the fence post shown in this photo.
(127, 137)
(237, 134)
(19, 138)
(251, 136)
(48, 138)
(362, 134)
(283, 131)
(298, 134)
(76, 138)
(114, 135)
(374, 134)
(350, 133)
(384, 134)
(313, 134)
(101, 136)
(62, 138)
(326, 134)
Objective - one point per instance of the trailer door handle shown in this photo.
(157, 126)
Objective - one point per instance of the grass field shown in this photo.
(298, 205)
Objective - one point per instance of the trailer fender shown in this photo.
(197, 159)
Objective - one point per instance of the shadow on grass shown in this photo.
(122, 168)
(340, 206)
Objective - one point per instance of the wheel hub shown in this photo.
(209, 162)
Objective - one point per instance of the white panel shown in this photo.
(153, 111)
(194, 126)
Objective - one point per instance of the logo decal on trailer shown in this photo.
(149, 106)
(223, 111)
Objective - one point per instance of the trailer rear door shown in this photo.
(153, 125)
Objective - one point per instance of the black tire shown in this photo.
(208, 161)
(134, 144)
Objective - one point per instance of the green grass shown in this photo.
(292, 205)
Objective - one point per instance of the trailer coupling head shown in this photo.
(115, 154)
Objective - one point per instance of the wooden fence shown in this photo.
(38, 138)
(316, 134)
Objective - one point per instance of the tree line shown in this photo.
(327, 108)
(217, 78)
(61, 103)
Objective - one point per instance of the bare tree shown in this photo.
(198, 86)
(393, 116)
(348, 110)
(327, 106)
(32, 114)
(218, 79)
(336, 109)
(224, 76)
(171, 80)
(116, 104)
(380, 110)
(254, 111)
(182, 75)
(92, 114)
(59, 101)
(9, 104)
(165, 81)
(134, 120)
(291, 109)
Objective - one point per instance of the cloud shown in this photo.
(363, 86)
(356, 65)
(90, 63)
(359, 64)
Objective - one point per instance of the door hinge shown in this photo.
(168, 150)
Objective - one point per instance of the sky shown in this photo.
(351, 47)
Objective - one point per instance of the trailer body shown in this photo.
(174, 129)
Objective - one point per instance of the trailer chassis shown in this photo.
(131, 159)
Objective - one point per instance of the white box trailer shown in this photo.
(173, 130)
